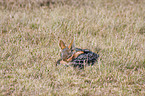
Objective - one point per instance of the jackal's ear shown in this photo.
(72, 45)
(62, 44)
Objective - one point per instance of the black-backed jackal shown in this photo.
(76, 57)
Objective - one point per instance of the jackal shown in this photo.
(76, 57)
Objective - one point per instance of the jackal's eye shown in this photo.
(72, 50)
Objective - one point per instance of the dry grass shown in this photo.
(29, 36)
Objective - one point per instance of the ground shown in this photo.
(30, 32)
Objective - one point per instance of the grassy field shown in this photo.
(30, 32)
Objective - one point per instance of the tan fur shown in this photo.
(61, 44)
(70, 45)
(77, 54)
(63, 62)
(67, 53)
(74, 56)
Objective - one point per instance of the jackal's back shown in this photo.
(87, 58)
